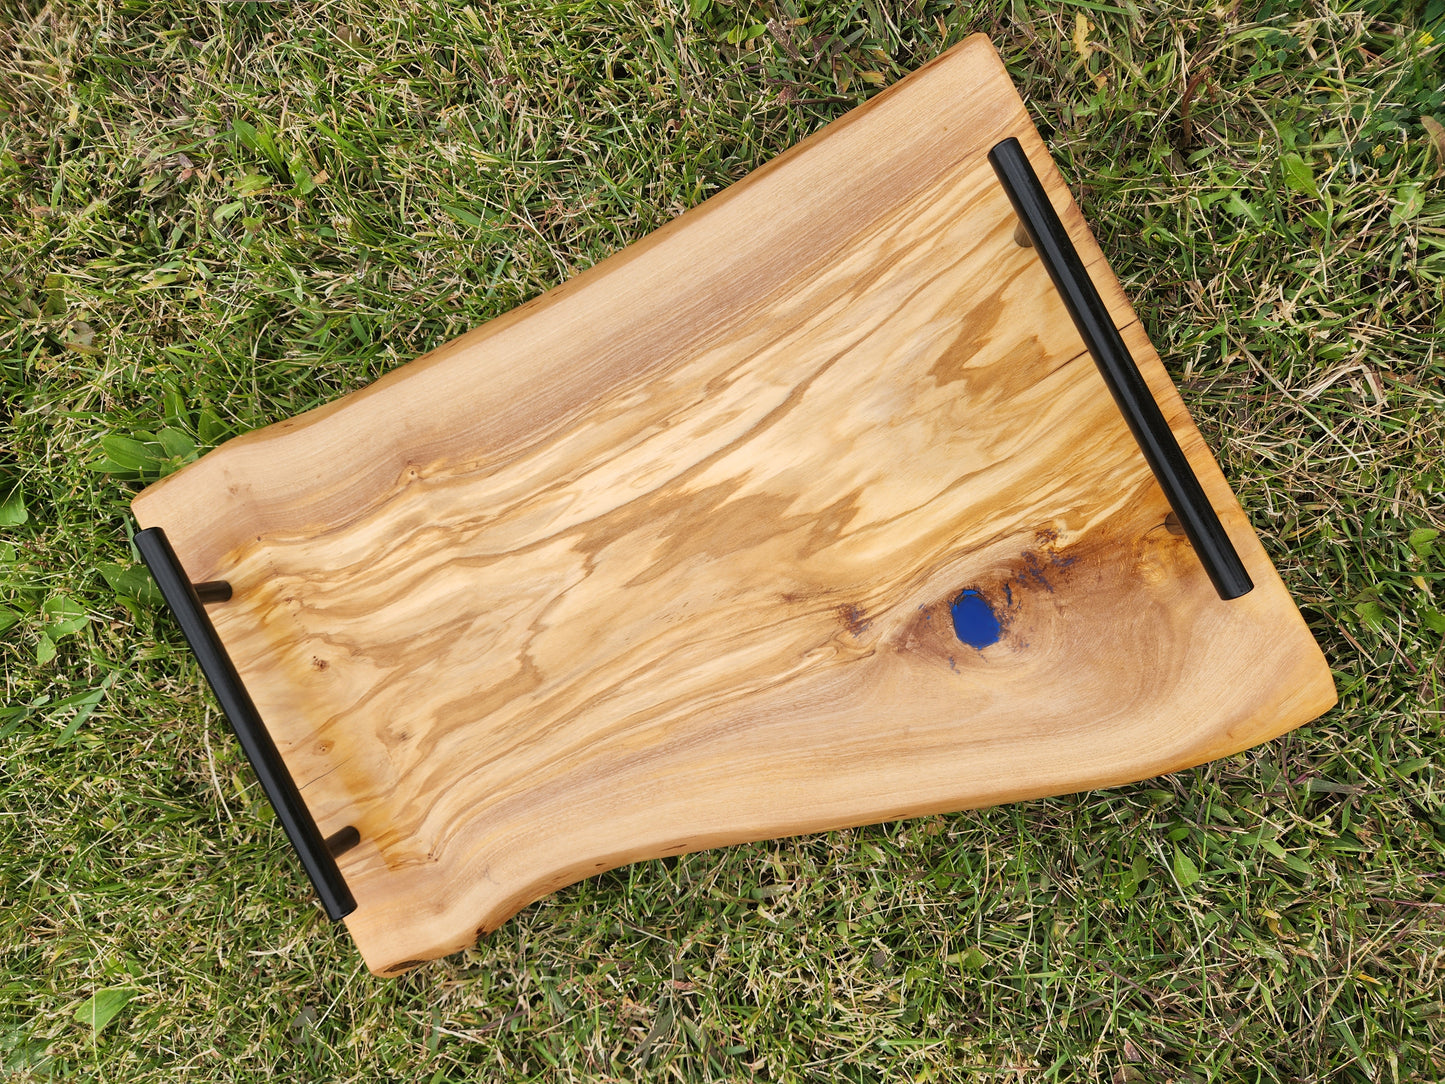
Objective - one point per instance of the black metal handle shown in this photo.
(1126, 384)
(317, 856)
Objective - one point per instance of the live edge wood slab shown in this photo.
(666, 559)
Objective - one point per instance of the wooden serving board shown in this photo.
(669, 557)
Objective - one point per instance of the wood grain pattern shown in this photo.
(663, 560)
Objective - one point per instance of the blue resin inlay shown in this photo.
(973, 620)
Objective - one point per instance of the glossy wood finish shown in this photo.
(664, 559)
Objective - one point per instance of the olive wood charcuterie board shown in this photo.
(808, 510)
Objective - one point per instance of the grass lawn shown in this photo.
(213, 217)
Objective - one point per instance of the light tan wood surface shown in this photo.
(663, 560)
